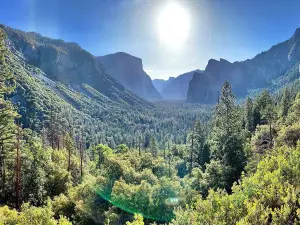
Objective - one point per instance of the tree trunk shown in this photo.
(139, 146)
(169, 161)
(81, 157)
(191, 156)
(18, 170)
(271, 137)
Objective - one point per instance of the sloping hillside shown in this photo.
(67, 63)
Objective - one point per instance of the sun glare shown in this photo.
(173, 25)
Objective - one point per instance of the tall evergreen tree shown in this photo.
(153, 146)
(249, 117)
(226, 118)
(285, 103)
(201, 151)
(69, 143)
(192, 147)
(226, 137)
(269, 115)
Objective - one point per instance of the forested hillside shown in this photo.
(73, 155)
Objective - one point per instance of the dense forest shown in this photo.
(227, 163)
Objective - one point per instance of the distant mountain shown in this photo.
(128, 70)
(176, 88)
(159, 84)
(271, 69)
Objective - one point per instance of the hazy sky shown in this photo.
(230, 29)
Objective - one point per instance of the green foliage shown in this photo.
(269, 196)
(285, 103)
(200, 152)
(7, 81)
(249, 117)
(289, 135)
(122, 148)
(138, 220)
(30, 215)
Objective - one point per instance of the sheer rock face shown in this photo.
(67, 63)
(128, 70)
(203, 94)
(270, 69)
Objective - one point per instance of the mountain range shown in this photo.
(117, 79)
(159, 84)
(174, 88)
(270, 69)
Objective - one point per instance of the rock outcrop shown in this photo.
(128, 70)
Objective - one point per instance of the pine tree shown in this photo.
(169, 159)
(18, 168)
(226, 119)
(191, 152)
(199, 151)
(70, 148)
(153, 146)
(81, 148)
(227, 140)
(199, 141)
(263, 100)
(269, 114)
(55, 128)
(285, 103)
(249, 117)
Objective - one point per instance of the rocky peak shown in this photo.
(125, 58)
(214, 64)
(297, 33)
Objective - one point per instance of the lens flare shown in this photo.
(163, 217)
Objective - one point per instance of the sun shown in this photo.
(173, 25)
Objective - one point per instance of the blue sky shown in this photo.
(231, 29)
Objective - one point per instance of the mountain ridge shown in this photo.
(160, 83)
(264, 70)
(176, 87)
